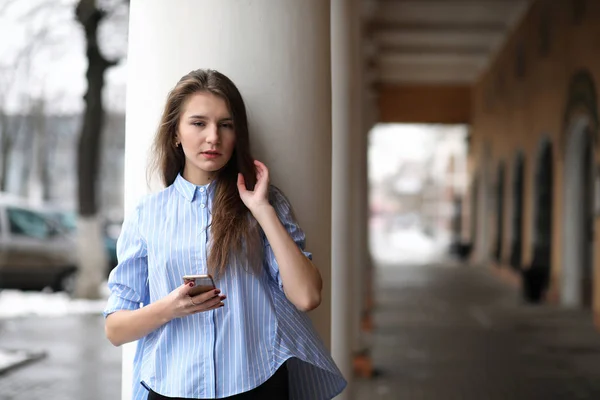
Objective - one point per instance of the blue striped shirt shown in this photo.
(225, 351)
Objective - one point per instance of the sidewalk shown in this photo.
(80, 364)
(457, 332)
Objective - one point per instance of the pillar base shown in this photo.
(363, 365)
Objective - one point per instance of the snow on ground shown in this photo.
(12, 358)
(16, 303)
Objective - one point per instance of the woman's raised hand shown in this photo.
(259, 197)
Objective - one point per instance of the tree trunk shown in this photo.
(33, 190)
(5, 151)
(46, 169)
(4, 172)
(39, 156)
(92, 258)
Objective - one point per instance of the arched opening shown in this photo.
(499, 212)
(577, 280)
(474, 208)
(588, 225)
(581, 125)
(516, 246)
(537, 276)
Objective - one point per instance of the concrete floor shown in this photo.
(456, 332)
(80, 364)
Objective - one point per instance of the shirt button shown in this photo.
(201, 190)
(202, 205)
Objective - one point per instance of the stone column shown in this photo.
(370, 119)
(361, 255)
(278, 54)
(344, 15)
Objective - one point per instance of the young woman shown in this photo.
(250, 337)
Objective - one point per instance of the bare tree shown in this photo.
(6, 143)
(10, 125)
(93, 259)
(102, 23)
(14, 77)
(38, 183)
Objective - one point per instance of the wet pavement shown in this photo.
(79, 364)
(442, 332)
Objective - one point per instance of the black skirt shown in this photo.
(276, 387)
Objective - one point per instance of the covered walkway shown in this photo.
(451, 331)
(318, 75)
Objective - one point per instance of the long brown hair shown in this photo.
(235, 234)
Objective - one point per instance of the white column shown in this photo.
(278, 54)
(344, 94)
(361, 255)
(367, 270)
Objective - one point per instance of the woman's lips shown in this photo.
(211, 154)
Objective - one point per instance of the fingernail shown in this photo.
(221, 305)
(223, 297)
(217, 291)
(191, 284)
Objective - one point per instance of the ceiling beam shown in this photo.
(457, 11)
(430, 49)
(398, 38)
(427, 77)
(471, 28)
(443, 60)
(436, 41)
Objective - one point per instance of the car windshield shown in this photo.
(28, 223)
(65, 219)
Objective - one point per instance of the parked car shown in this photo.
(67, 222)
(34, 253)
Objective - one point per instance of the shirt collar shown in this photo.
(188, 189)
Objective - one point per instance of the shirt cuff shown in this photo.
(278, 275)
(116, 303)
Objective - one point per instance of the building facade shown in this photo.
(533, 152)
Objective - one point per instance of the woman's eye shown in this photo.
(227, 126)
(198, 124)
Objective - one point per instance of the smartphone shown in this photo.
(202, 283)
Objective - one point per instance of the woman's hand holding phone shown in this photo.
(180, 303)
(128, 325)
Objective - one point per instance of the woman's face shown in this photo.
(206, 134)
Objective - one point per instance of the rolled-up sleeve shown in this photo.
(128, 281)
(285, 213)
